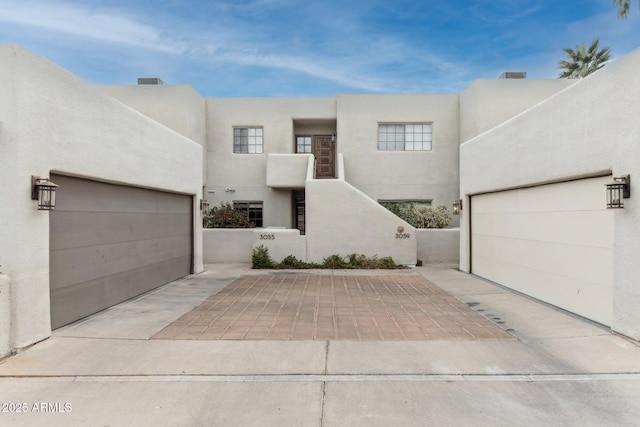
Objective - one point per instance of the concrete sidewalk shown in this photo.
(557, 370)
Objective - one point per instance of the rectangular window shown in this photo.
(303, 144)
(247, 140)
(252, 209)
(404, 137)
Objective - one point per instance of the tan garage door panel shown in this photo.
(553, 242)
(110, 243)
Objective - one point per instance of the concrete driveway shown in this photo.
(544, 367)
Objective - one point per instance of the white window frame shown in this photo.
(405, 136)
(248, 140)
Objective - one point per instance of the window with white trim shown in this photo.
(404, 137)
(303, 144)
(247, 140)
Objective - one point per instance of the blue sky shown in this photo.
(312, 48)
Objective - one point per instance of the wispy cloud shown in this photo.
(504, 11)
(110, 26)
(311, 47)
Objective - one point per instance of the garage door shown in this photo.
(109, 243)
(552, 242)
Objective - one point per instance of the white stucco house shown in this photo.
(528, 158)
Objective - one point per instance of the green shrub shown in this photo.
(421, 216)
(386, 263)
(404, 211)
(359, 261)
(431, 217)
(291, 261)
(334, 261)
(260, 258)
(225, 216)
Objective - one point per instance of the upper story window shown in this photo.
(303, 144)
(404, 137)
(247, 140)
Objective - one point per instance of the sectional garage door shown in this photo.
(553, 242)
(109, 243)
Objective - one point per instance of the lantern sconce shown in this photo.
(204, 205)
(44, 191)
(617, 190)
(457, 207)
(333, 137)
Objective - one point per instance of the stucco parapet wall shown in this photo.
(486, 103)
(575, 133)
(288, 170)
(68, 105)
(179, 107)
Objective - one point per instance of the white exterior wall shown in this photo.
(342, 220)
(227, 245)
(178, 107)
(438, 245)
(246, 174)
(281, 243)
(385, 175)
(590, 128)
(53, 121)
(488, 102)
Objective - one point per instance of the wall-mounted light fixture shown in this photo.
(333, 138)
(204, 205)
(44, 191)
(617, 190)
(457, 206)
(230, 190)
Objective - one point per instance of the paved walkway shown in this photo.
(332, 307)
(553, 370)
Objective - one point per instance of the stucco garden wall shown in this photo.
(588, 129)
(221, 245)
(54, 121)
(438, 245)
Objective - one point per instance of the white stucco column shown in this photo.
(5, 315)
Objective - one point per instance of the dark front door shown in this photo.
(324, 150)
(323, 147)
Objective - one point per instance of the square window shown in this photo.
(248, 140)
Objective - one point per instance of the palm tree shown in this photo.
(623, 7)
(583, 61)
